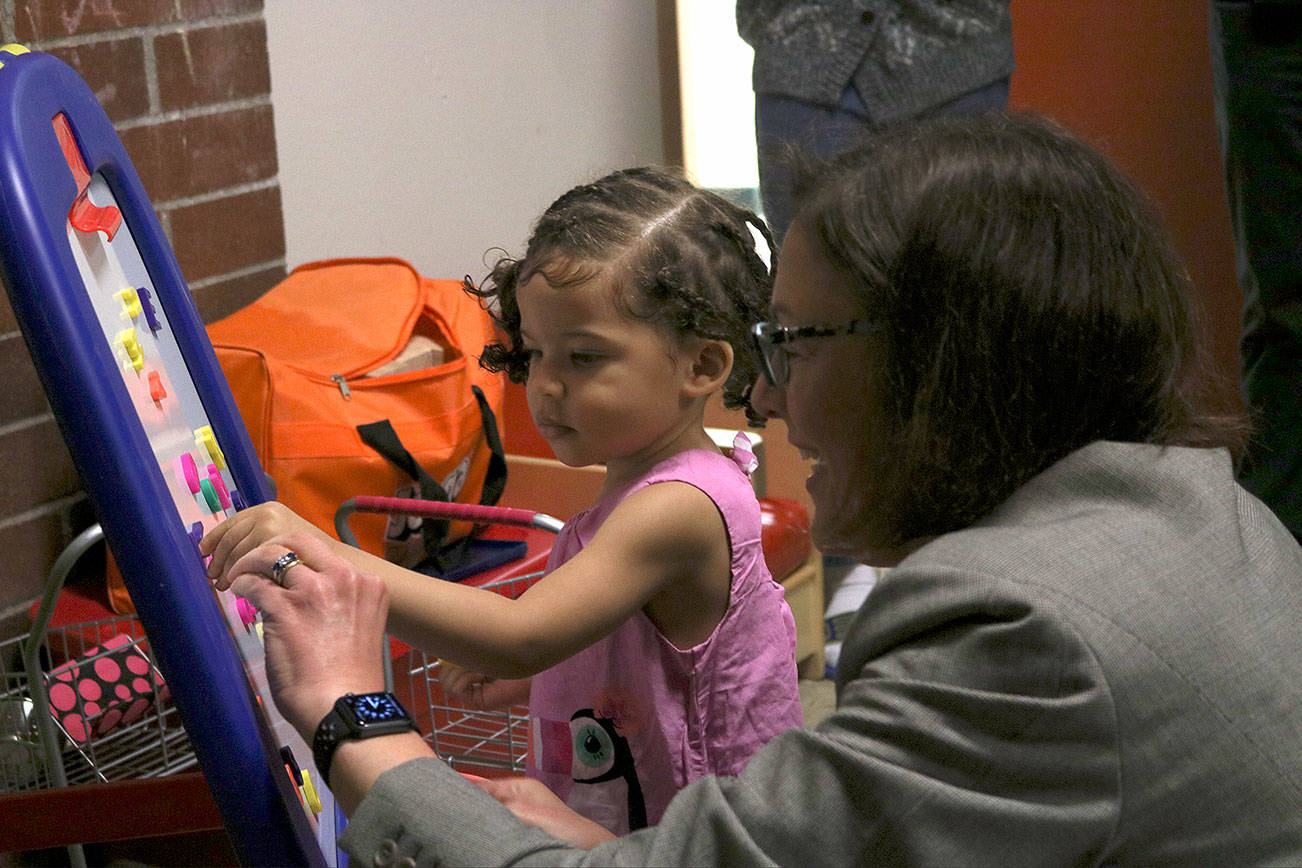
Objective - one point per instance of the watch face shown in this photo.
(370, 708)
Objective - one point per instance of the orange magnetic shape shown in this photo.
(156, 390)
(85, 215)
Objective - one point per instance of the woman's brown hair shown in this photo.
(1031, 303)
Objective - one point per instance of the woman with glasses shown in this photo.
(1088, 649)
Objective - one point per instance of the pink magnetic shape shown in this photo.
(187, 472)
(248, 613)
(215, 477)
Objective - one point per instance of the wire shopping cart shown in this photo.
(59, 725)
(463, 736)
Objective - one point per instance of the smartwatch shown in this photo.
(358, 715)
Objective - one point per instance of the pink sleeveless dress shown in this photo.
(624, 724)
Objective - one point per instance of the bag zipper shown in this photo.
(343, 386)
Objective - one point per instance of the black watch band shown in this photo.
(357, 715)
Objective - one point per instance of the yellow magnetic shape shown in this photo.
(127, 338)
(313, 800)
(204, 439)
(13, 48)
(130, 303)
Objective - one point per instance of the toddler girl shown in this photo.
(660, 648)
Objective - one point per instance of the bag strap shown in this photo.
(381, 437)
(495, 479)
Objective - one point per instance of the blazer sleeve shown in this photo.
(974, 726)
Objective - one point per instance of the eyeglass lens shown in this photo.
(775, 358)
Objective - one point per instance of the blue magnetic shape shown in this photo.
(147, 305)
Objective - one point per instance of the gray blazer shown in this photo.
(1105, 670)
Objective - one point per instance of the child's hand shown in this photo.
(533, 803)
(321, 625)
(476, 690)
(245, 531)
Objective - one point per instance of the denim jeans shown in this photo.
(782, 123)
(1256, 51)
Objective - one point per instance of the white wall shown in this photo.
(434, 130)
(714, 66)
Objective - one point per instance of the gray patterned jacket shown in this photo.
(903, 56)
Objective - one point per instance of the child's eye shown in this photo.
(584, 360)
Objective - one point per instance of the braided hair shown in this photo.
(679, 257)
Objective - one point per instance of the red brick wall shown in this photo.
(187, 85)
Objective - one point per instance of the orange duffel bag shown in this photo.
(360, 376)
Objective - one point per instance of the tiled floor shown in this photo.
(817, 698)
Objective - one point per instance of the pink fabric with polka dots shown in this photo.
(109, 685)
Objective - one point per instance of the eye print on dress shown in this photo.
(602, 757)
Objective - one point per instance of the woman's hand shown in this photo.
(476, 690)
(322, 627)
(240, 534)
(533, 803)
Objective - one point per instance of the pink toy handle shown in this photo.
(503, 515)
(441, 509)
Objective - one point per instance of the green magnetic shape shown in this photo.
(210, 495)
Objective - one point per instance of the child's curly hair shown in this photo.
(678, 256)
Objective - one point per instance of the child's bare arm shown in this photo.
(666, 536)
(663, 550)
(657, 538)
(440, 618)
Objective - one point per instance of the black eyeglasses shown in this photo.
(769, 338)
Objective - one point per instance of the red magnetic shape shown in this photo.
(85, 215)
(71, 154)
(156, 390)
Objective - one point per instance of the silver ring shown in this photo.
(282, 565)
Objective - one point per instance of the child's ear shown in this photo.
(711, 365)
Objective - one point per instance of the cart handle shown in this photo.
(503, 515)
